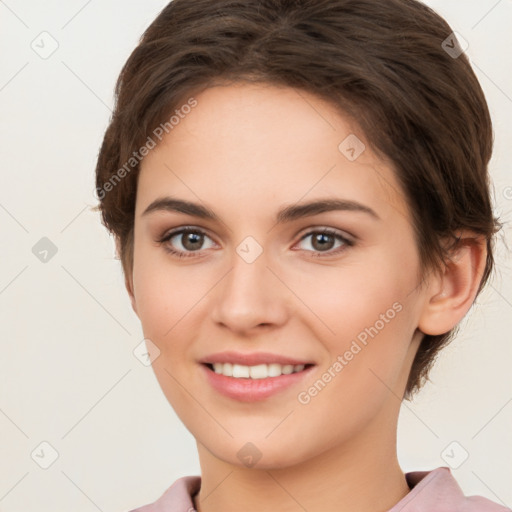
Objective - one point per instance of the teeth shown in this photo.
(240, 371)
(260, 371)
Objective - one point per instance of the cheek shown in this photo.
(344, 301)
(364, 313)
(163, 294)
(168, 307)
(366, 362)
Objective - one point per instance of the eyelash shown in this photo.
(326, 231)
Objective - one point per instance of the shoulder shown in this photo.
(438, 491)
(177, 498)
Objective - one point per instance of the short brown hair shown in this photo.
(382, 62)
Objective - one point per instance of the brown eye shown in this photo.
(323, 241)
(191, 241)
(185, 242)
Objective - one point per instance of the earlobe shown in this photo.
(452, 291)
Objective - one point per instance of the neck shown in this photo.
(362, 474)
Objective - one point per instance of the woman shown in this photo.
(299, 196)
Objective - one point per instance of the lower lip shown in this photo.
(252, 390)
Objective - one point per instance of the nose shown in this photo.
(250, 297)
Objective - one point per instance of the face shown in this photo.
(267, 240)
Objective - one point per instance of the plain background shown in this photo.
(68, 375)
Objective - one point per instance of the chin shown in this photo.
(246, 454)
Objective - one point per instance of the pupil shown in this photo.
(321, 239)
(192, 238)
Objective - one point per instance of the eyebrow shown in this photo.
(286, 214)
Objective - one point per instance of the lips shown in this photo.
(244, 388)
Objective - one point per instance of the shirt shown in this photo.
(431, 491)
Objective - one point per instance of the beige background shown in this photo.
(68, 376)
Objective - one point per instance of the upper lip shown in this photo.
(251, 359)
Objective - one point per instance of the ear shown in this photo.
(452, 291)
(128, 277)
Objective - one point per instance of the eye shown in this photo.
(184, 242)
(189, 241)
(324, 240)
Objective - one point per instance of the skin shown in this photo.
(245, 151)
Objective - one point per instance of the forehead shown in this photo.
(244, 142)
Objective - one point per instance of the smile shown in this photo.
(260, 371)
(254, 383)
